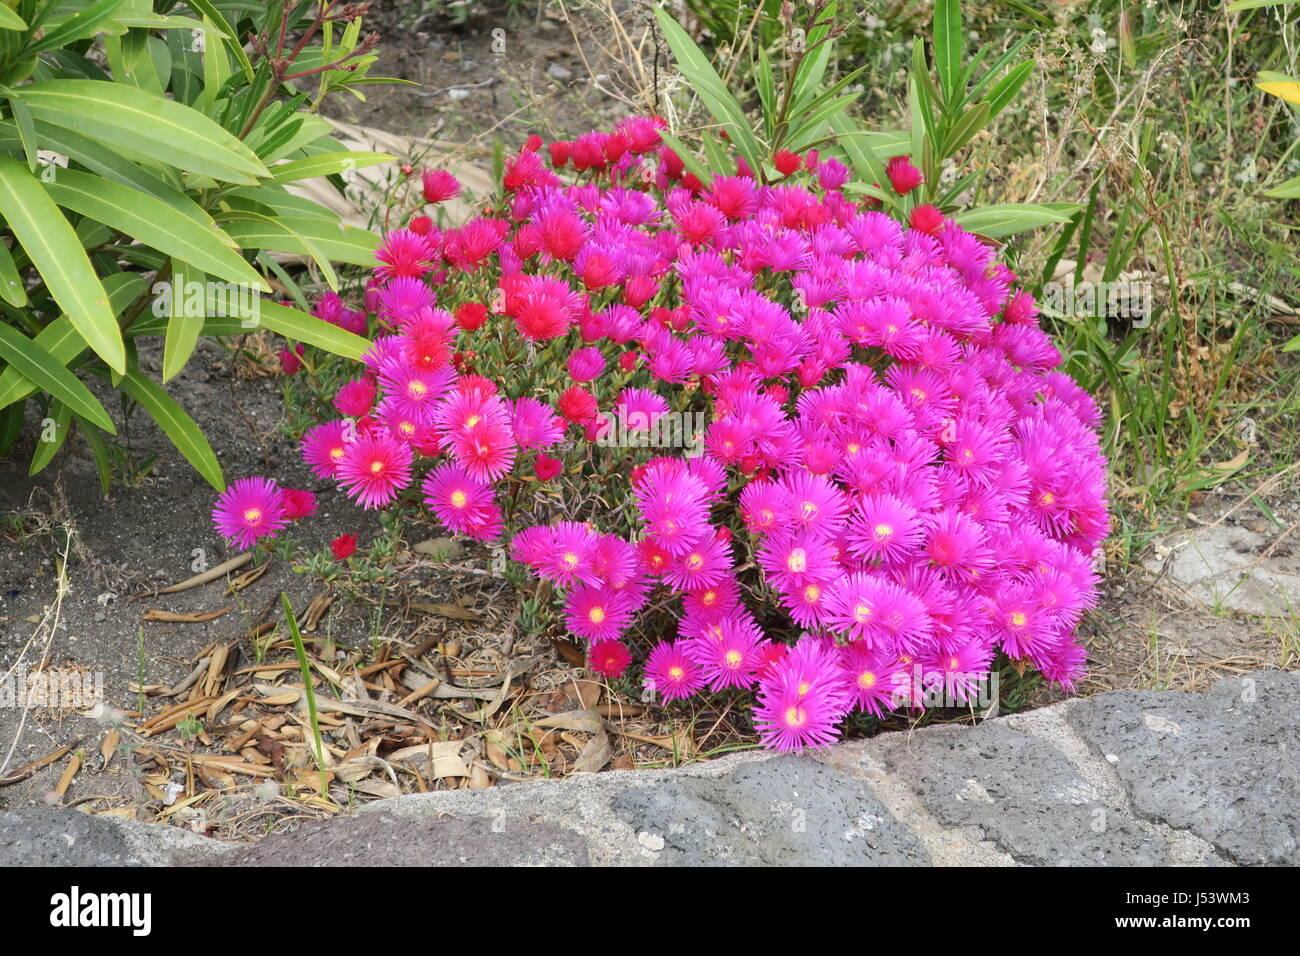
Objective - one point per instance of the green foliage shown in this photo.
(172, 162)
(950, 103)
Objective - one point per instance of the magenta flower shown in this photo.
(374, 469)
(671, 672)
(249, 509)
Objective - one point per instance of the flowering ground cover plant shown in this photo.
(781, 441)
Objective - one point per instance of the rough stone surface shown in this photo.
(782, 811)
(1021, 792)
(1232, 567)
(47, 836)
(378, 839)
(1126, 778)
(1224, 764)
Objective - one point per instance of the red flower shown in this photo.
(627, 361)
(291, 362)
(927, 219)
(533, 143)
(471, 315)
(344, 546)
(578, 405)
(298, 504)
(420, 225)
(903, 176)
(560, 152)
(609, 658)
(547, 467)
(786, 162)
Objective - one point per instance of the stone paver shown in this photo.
(1125, 778)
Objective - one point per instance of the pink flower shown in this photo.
(586, 364)
(670, 671)
(460, 500)
(323, 447)
(535, 424)
(439, 185)
(374, 469)
(597, 612)
(799, 706)
(250, 509)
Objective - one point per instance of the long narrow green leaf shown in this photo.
(1007, 219)
(861, 155)
(177, 424)
(183, 328)
(10, 20)
(131, 118)
(947, 46)
(80, 25)
(1005, 90)
(152, 222)
(326, 164)
(1288, 190)
(323, 240)
(98, 158)
(58, 422)
(208, 9)
(61, 340)
(11, 283)
(302, 327)
(52, 246)
(1255, 4)
(99, 448)
(708, 85)
(43, 370)
(11, 424)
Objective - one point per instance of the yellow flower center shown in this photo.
(336, 453)
(253, 515)
(376, 467)
(596, 615)
(1017, 619)
(675, 673)
(733, 659)
(416, 388)
(812, 593)
(798, 561)
(883, 531)
(862, 613)
(459, 499)
(866, 679)
(795, 717)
